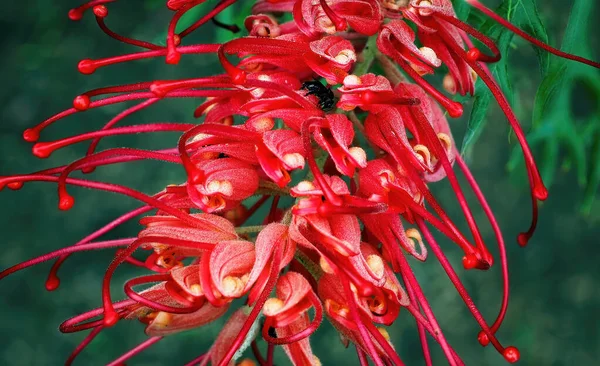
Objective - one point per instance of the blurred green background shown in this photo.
(554, 313)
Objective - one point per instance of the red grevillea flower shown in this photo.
(364, 204)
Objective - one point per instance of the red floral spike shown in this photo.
(336, 241)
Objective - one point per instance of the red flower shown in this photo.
(287, 314)
(339, 243)
(224, 183)
(317, 17)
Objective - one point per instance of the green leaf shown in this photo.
(550, 85)
(555, 127)
(481, 103)
(482, 96)
(524, 14)
(461, 8)
(531, 23)
(575, 34)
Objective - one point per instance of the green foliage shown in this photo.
(554, 125)
(461, 8)
(565, 83)
(483, 96)
(532, 24)
(524, 14)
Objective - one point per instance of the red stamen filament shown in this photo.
(115, 188)
(506, 24)
(420, 319)
(440, 151)
(44, 149)
(53, 280)
(474, 54)
(273, 275)
(454, 109)
(88, 66)
(273, 209)
(172, 56)
(77, 13)
(257, 354)
(362, 358)
(117, 119)
(420, 326)
(99, 158)
(80, 347)
(314, 168)
(110, 315)
(135, 262)
(134, 351)
(130, 292)
(354, 312)
(210, 15)
(120, 38)
(68, 250)
(78, 322)
(160, 88)
(88, 167)
(523, 238)
(409, 277)
(539, 190)
(32, 134)
(386, 130)
(459, 286)
(389, 351)
(252, 210)
(499, 239)
(270, 354)
(127, 88)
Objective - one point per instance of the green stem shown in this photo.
(366, 57)
(312, 268)
(271, 189)
(391, 70)
(287, 217)
(249, 229)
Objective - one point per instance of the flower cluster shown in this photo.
(357, 161)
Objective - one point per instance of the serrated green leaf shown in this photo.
(481, 103)
(550, 85)
(553, 81)
(531, 23)
(482, 95)
(555, 128)
(523, 13)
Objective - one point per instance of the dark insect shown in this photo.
(322, 92)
